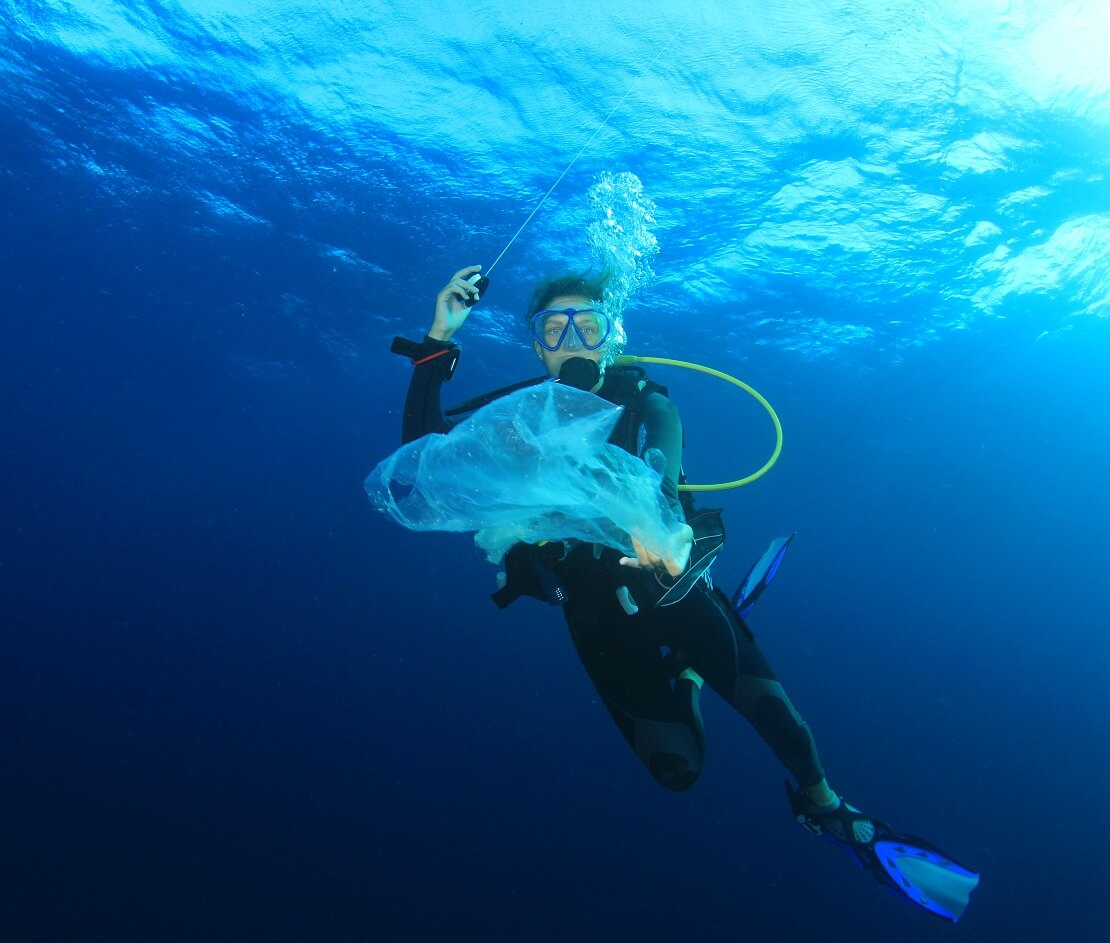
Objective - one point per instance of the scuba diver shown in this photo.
(650, 630)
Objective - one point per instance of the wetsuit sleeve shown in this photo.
(433, 365)
(663, 431)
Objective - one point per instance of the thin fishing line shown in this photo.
(581, 150)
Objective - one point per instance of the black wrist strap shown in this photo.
(443, 356)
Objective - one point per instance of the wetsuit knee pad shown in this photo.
(673, 771)
(782, 728)
(672, 752)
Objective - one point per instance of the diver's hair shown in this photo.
(585, 284)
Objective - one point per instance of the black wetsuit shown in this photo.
(636, 661)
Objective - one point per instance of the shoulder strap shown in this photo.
(629, 387)
(631, 390)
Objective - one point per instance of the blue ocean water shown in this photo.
(239, 704)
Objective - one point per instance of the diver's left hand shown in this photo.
(646, 560)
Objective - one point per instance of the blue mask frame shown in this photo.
(546, 339)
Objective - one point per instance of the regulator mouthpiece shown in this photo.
(580, 373)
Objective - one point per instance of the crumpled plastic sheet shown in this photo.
(531, 466)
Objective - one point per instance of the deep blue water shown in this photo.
(239, 704)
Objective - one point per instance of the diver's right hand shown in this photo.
(451, 309)
(675, 565)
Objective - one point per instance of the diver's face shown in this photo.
(553, 360)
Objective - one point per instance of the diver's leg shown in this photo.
(656, 711)
(710, 638)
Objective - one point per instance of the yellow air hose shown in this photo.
(629, 359)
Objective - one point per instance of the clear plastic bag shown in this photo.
(531, 466)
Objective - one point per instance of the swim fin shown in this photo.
(760, 575)
(914, 869)
(708, 541)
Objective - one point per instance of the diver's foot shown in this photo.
(841, 822)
